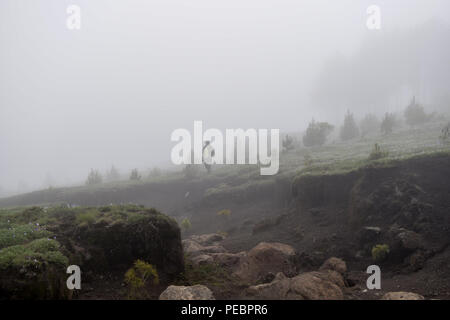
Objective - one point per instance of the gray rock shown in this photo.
(197, 292)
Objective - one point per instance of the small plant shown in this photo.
(137, 277)
(349, 130)
(380, 252)
(224, 213)
(135, 176)
(94, 177)
(186, 224)
(86, 218)
(377, 153)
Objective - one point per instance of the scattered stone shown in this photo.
(197, 292)
(402, 296)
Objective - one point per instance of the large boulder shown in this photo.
(402, 296)
(266, 258)
(322, 285)
(197, 292)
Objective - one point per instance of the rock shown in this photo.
(316, 286)
(202, 260)
(193, 248)
(228, 260)
(275, 290)
(265, 258)
(322, 285)
(410, 240)
(207, 239)
(335, 264)
(402, 296)
(197, 292)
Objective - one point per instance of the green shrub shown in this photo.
(33, 254)
(137, 277)
(87, 218)
(21, 234)
(380, 252)
(224, 213)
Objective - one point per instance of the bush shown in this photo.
(94, 177)
(349, 130)
(136, 278)
(388, 123)
(380, 252)
(135, 176)
(186, 224)
(288, 143)
(317, 133)
(224, 213)
(377, 153)
(415, 114)
(369, 125)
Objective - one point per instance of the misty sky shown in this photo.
(112, 92)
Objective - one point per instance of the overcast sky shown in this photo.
(112, 92)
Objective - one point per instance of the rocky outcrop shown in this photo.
(142, 233)
(197, 292)
(402, 296)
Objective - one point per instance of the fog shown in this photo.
(112, 92)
